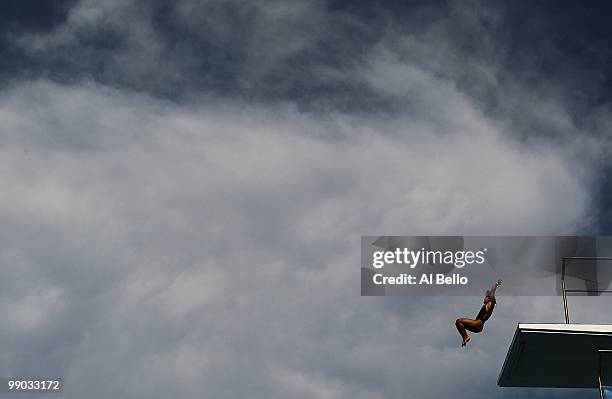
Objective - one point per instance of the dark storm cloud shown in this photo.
(189, 180)
(283, 48)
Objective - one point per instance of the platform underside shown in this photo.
(556, 356)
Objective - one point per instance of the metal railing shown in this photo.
(565, 291)
(601, 352)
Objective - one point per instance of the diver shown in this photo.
(476, 325)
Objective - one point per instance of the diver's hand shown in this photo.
(499, 282)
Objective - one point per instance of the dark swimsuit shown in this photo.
(482, 315)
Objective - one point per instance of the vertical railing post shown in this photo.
(564, 293)
(601, 391)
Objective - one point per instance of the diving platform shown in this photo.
(558, 356)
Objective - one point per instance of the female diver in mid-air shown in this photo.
(476, 325)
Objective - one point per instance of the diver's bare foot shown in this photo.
(465, 341)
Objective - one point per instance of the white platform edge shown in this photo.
(561, 327)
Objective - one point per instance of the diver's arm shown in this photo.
(491, 291)
(489, 306)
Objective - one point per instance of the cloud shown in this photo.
(215, 244)
(170, 49)
(209, 246)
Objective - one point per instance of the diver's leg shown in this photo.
(469, 325)
(459, 323)
(474, 326)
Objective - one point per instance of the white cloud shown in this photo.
(213, 248)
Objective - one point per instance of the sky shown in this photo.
(186, 184)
